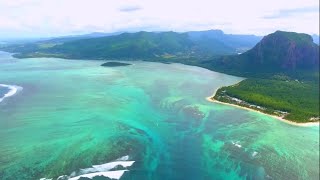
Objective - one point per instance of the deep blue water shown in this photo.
(3, 91)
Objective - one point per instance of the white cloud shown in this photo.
(58, 17)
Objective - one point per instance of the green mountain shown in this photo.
(141, 45)
(279, 52)
(63, 39)
(127, 45)
(238, 42)
(283, 77)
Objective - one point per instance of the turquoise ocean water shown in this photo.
(74, 118)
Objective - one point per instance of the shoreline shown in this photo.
(307, 124)
(210, 98)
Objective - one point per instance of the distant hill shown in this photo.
(63, 39)
(141, 45)
(285, 52)
(240, 43)
(126, 45)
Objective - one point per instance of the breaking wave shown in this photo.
(105, 170)
(12, 90)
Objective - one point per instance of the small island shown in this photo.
(115, 64)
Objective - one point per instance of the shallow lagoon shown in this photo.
(73, 114)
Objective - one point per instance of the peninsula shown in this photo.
(283, 77)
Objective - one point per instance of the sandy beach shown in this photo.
(308, 124)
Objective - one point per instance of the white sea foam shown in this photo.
(237, 144)
(109, 174)
(101, 170)
(13, 89)
(254, 153)
(124, 158)
(63, 177)
(106, 167)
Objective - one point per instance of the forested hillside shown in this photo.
(283, 72)
(155, 46)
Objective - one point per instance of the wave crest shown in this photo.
(105, 170)
(13, 89)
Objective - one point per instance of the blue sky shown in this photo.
(32, 18)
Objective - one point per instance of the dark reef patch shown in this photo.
(115, 64)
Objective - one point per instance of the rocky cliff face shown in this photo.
(285, 50)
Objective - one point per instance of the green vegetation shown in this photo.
(281, 52)
(283, 72)
(299, 99)
(162, 46)
(272, 65)
(115, 64)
